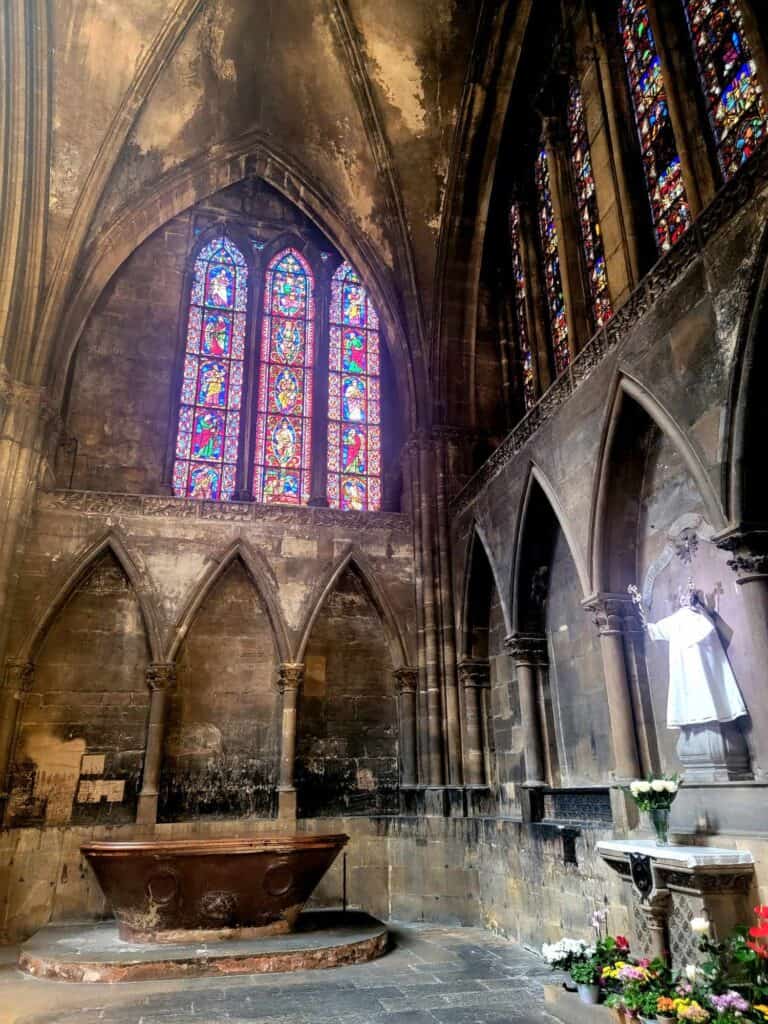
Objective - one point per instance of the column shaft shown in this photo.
(291, 676)
(160, 678)
(16, 684)
(474, 674)
(528, 652)
(434, 697)
(406, 681)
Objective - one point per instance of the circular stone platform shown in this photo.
(93, 951)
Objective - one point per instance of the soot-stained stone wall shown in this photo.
(221, 746)
(347, 722)
(80, 747)
(575, 704)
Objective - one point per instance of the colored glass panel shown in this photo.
(586, 204)
(208, 434)
(354, 403)
(282, 461)
(661, 161)
(735, 101)
(553, 282)
(519, 303)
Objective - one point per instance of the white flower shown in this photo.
(691, 972)
(633, 788)
(700, 926)
(671, 786)
(659, 785)
(643, 786)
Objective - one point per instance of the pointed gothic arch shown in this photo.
(477, 543)
(259, 573)
(354, 559)
(628, 393)
(538, 484)
(111, 542)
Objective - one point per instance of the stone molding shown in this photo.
(15, 394)
(658, 281)
(527, 648)
(104, 503)
(291, 676)
(474, 672)
(161, 675)
(19, 677)
(406, 679)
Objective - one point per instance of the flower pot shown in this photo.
(660, 822)
(589, 993)
(649, 1020)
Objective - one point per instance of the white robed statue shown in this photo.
(702, 686)
(703, 696)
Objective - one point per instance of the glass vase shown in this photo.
(660, 822)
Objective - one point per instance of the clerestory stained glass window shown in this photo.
(552, 279)
(586, 203)
(284, 403)
(208, 433)
(661, 161)
(354, 414)
(735, 101)
(518, 305)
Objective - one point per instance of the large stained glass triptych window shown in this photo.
(586, 203)
(661, 161)
(282, 462)
(552, 278)
(735, 102)
(354, 415)
(521, 320)
(208, 434)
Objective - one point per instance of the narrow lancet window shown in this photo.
(553, 282)
(354, 405)
(519, 303)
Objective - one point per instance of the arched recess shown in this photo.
(481, 581)
(81, 728)
(258, 569)
(549, 587)
(222, 735)
(347, 747)
(249, 155)
(353, 558)
(631, 406)
(654, 516)
(744, 483)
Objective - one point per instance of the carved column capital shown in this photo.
(748, 547)
(406, 679)
(19, 676)
(527, 648)
(291, 676)
(474, 673)
(613, 614)
(161, 675)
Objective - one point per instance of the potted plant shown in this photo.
(648, 1005)
(586, 976)
(656, 795)
(665, 1008)
(564, 954)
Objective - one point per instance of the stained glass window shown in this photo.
(284, 407)
(735, 102)
(208, 432)
(661, 161)
(552, 279)
(586, 203)
(354, 413)
(521, 321)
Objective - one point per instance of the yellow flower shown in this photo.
(762, 1009)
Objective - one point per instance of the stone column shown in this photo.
(474, 676)
(569, 242)
(160, 676)
(406, 682)
(291, 678)
(17, 683)
(748, 548)
(528, 651)
(608, 611)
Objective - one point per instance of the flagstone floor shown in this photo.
(433, 975)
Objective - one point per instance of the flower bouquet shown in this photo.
(656, 796)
